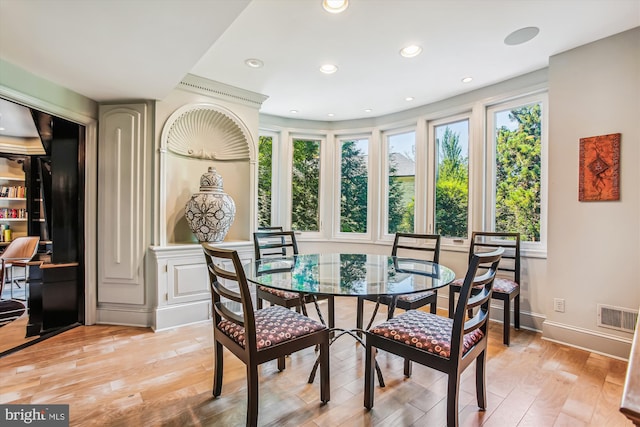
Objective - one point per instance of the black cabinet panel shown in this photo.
(53, 298)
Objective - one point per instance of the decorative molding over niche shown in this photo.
(205, 131)
(221, 90)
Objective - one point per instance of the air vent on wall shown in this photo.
(622, 319)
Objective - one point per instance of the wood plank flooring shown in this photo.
(124, 376)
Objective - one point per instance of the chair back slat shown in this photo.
(488, 262)
(417, 242)
(487, 241)
(270, 244)
(221, 278)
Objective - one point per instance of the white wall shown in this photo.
(593, 247)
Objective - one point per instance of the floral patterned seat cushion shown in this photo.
(414, 297)
(426, 331)
(274, 325)
(280, 293)
(500, 284)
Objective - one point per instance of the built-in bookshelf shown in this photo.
(13, 198)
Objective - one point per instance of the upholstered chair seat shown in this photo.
(426, 331)
(274, 325)
(281, 294)
(409, 298)
(500, 284)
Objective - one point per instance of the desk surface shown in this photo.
(349, 274)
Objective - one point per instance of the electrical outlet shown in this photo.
(558, 305)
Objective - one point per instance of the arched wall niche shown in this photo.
(195, 137)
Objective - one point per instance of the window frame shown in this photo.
(432, 166)
(336, 214)
(384, 181)
(323, 157)
(527, 247)
(275, 177)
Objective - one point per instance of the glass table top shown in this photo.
(343, 274)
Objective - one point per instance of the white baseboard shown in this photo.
(113, 315)
(171, 316)
(585, 339)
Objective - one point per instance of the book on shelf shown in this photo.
(15, 192)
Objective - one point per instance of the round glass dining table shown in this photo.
(346, 274)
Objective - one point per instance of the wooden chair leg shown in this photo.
(507, 321)
(452, 297)
(281, 364)
(325, 388)
(433, 307)
(217, 375)
(481, 391)
(359, 315)
(453, 389)
(369, 373)
(259, 303)
(516, 312)
(407, 368)
(252, 395)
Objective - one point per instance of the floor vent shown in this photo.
(622, 319)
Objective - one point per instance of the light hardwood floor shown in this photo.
(124, 376)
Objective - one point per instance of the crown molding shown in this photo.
(208, 87)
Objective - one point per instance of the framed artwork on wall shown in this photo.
(599, 168)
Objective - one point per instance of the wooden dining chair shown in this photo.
(260, 336)
(408, 244)
(507, 284)
(276, 243)
(447, 345)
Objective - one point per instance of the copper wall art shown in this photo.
(599, 168)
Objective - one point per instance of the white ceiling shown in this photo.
(141, 49)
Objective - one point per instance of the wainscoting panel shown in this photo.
(123, 202)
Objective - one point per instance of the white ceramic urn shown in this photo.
(210, 212)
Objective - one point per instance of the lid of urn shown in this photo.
(211, 180)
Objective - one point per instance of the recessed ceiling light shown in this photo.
(409, 98)
(254, 63)
(293, 111)
(467, 79)
(522, 35)
(368, 110)
(335, 6)
(330, 114)
(410, 51)
(328, 68)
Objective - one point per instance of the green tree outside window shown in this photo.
(518, 172)
(265, 159)
(353, 189)
(305, 186)
(452, 187)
